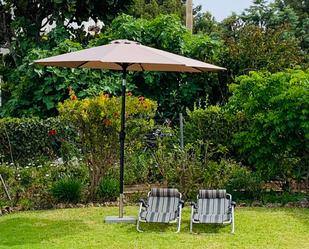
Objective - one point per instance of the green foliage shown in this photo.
(172, 91)
(204, 22)
(255, 48)
(36, 90)
(29, 184)
(275, 106)
(28, 139)
(97, 121)
(22, 22)
(108, 189)
(138, 165)
(211, 126)
(67, 190)
(281, 12)
(151, 9)
(281, 197)
(229, 175)
(190, 170)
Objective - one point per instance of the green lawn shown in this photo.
(84, 228)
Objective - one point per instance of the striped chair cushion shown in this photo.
(212, 210)
(165, 192)
(162, 206)
(212, 193)
(158, 216)
(211, 218)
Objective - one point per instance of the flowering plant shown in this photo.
(97, 121)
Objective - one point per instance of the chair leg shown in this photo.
(179, 220)
(191, 220)
(233, 225)
(138, 218)
(137, 226)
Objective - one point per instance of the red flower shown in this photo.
(141, 98)
(52, 133)
(129, 94)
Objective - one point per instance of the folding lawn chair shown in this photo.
(164, 205)
(213, 207)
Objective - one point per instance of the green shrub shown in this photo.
(281, 197)
(67, 190)
(108, 189)
(242, 179)
(276, 108)
(139, 168)
(212, 126)
(24, 140)
(97, 121)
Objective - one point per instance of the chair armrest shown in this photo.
(233, 203)
(193, 204)
(143, 202)
(181, 203)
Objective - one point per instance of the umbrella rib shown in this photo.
(82, 64)
(201, 71)
(142, 67)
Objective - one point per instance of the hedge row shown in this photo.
(23, 140)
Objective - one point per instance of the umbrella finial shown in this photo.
(124, 42)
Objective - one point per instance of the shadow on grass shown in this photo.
(185, 228)
(22, 231)
(155, 227)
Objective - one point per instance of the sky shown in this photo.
(221, 9)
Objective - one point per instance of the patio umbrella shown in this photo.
(125, 55)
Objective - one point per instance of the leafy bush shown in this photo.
(138, 169)
(275, 140)
(282, 197)
(25, 140)
(97, 121)
(67, 190)
(30, 185)
(230, 175)
(108, 189)
(212, 126)
(241, 179)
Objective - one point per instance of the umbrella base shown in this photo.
(116, 219)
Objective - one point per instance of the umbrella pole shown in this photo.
(122, 137)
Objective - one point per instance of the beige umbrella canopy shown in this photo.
(126, 56)
(136, 56)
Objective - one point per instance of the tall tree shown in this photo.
(23, 22)
(150, 9)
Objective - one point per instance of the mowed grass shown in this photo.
(84, 228)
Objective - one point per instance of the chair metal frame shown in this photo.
(143, 206)
(231, 207)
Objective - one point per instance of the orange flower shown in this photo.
(107, 122)
(141, 98)
(129, 94)
(72, 93)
